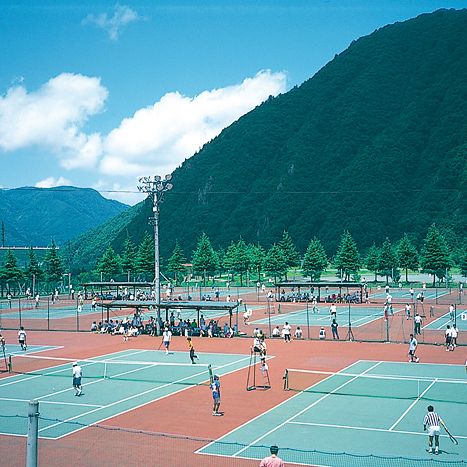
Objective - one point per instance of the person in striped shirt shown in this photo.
(432, 422)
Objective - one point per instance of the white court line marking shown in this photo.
(305, 409)
(135, 396)
(411, 405)
(363, 428)
(32, 350)
(10, 399)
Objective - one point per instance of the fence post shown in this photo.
(33, 422)
(308, 318)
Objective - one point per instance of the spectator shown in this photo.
(417, 323)
(322, 333)
(276, 332)
(298, 333)
(272, 460)
(335, 332)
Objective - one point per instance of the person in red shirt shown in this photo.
(272, 460)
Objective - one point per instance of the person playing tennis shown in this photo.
(191, 349)
(216, 396)
(77, 375)
(22, 338)
(432, 422)
(412, 349)
(166, 338)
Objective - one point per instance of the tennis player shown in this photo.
(22, 338)
(2, 342)
(412, 349)
(166, 338)
(191, 350)
(216, 396)
(432, 421)
(77, 375)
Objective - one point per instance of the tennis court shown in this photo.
(404, 294)
(370, 408)
(55, 312)
(360, 316)
(112, 384)
(441, 322)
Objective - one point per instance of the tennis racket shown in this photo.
(454, 440)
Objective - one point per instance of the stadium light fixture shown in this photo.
(155, 187)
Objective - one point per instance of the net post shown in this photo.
(286, 379)
(32, 440)
(105, 370)
(10, 364)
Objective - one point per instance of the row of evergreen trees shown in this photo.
(243, 260)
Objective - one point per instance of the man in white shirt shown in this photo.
(166, 338)
(286, 330)
(77, 375)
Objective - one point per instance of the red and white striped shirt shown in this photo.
(432, 419)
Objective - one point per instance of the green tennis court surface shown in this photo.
(360, 316)
(109, 389)
(344, 417)
(404, 294)
(52, 312)
(441, 322)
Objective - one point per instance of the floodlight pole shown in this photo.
(156, 187)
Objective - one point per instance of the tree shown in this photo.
(407, 255)
(109, 264)
(372, 260)
(242, 259)
(257, 255)
(53, 265)
(33, 269)
(387, 264)
(435, 258)
(176, 261)
(347, 259)
(315, 260)
(145, 257)
(290, 253)
(10, 272)
(228, 261)
(205, 260)
(129, 257)
(274, 262)
(463, 264)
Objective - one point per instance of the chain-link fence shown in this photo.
(112, 446)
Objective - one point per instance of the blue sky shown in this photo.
(97, 93)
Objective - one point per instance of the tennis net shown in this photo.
(375, 385)
(113, 369)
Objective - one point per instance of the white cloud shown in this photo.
(122, 15)
(52, 182)
(52, 117)
(155, 140)
(158, 138)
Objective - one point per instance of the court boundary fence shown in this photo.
(290, 455)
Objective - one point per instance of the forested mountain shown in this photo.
(33, 216)
(375, 143)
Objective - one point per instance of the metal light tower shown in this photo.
(156, 187)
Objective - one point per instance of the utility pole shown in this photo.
(156, 187)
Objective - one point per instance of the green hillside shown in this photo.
(375, 142)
